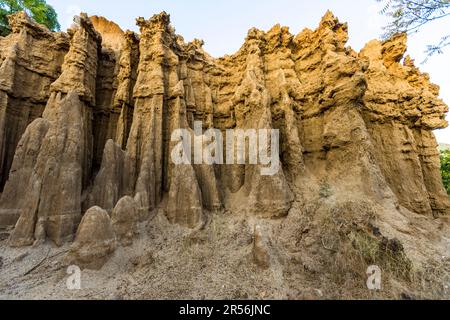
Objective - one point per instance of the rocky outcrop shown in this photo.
(125, 220)
(401, 109)
(96, 127)
(51, 204)
(184, 202)
(261, 254)
(112, 181)
(95, 241)
(30, 61)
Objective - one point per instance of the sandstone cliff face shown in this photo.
(86, 120)
(60, 169)
(31, 60)
(400, 118)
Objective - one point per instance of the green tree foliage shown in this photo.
(411, 15)
(39, 10)
(445, 169)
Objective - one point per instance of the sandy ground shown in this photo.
(166, 262)
(170, 262)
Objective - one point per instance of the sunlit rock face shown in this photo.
(86, 119)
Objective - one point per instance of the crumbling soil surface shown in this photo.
(214, 262)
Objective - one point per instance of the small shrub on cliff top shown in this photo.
(445, 169)
(39, 10)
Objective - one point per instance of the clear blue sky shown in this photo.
(223, 24)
